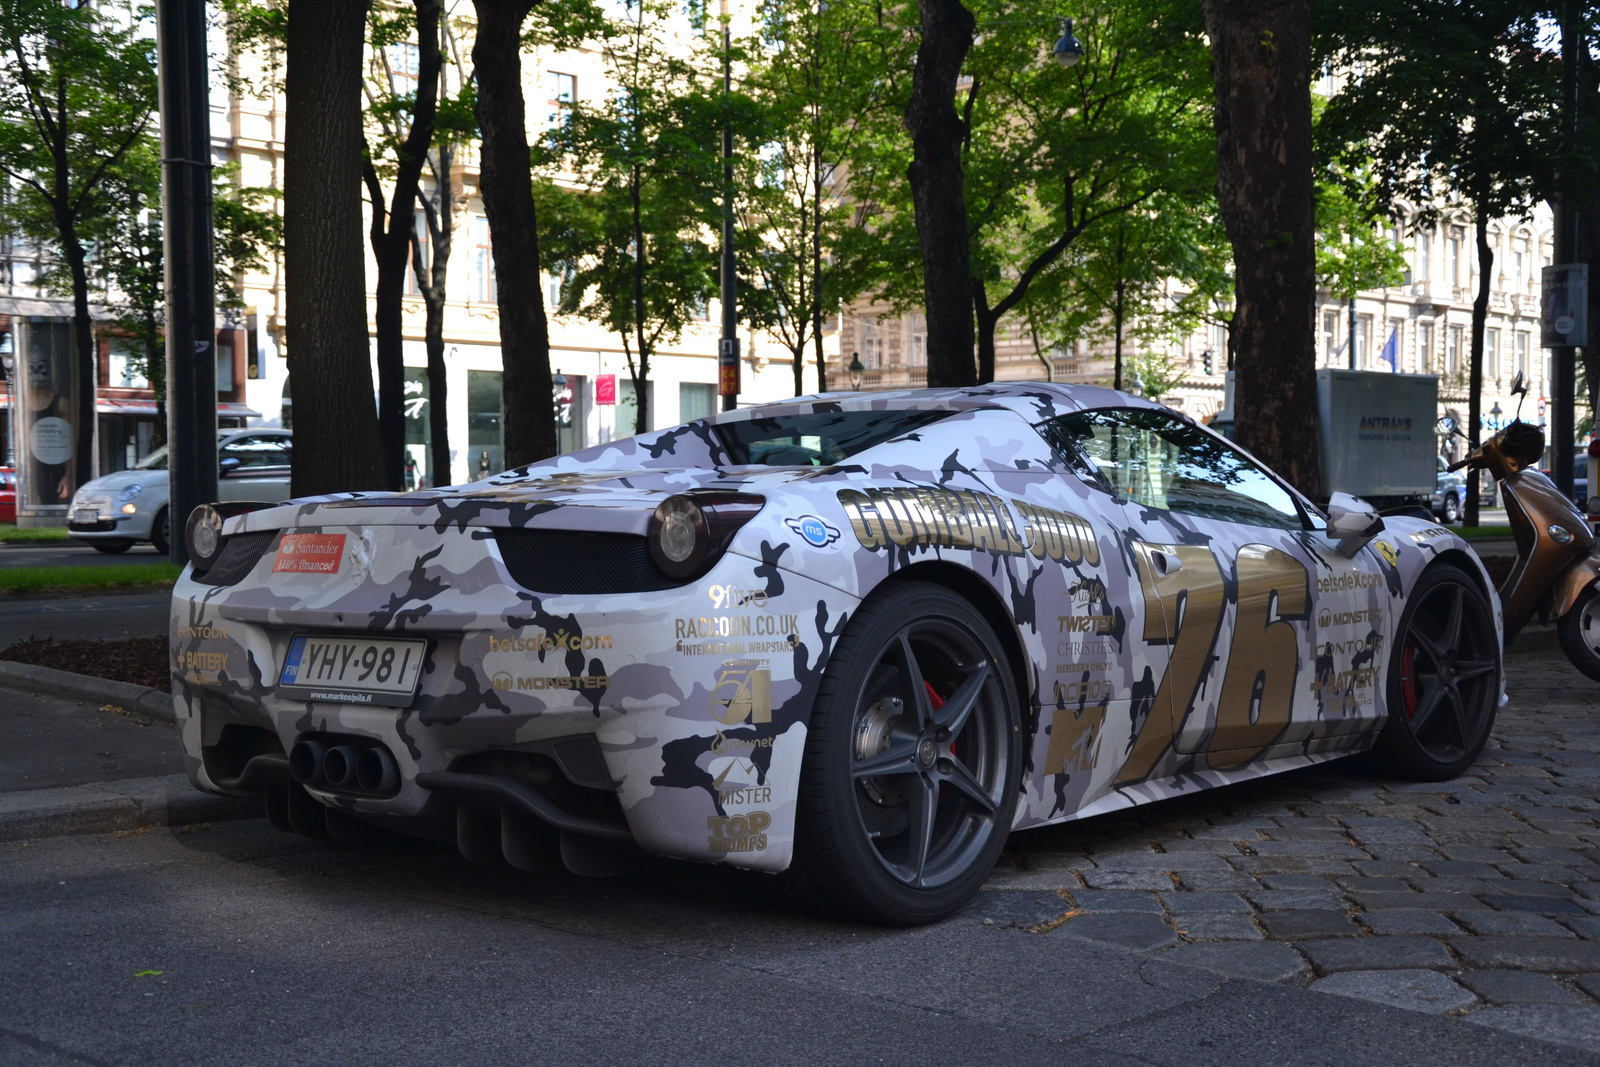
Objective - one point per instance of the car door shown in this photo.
(254, 467)
(1233, 578)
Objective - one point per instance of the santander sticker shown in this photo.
(309, 553)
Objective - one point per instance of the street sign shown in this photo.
(605, 389)
(728, 366)
(1564, 305)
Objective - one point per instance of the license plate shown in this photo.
(85, 515)
(352, 670)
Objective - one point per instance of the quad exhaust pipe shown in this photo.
(353, 767)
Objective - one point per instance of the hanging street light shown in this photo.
(856, 371)
(1068, 49)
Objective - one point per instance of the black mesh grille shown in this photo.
(574, 561)
(239, 557)
(543, 774)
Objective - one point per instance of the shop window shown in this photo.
(486, 443)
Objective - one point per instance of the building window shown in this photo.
(557, 282)
(696, 401)
(485, 424)
(405, 63)
(1330, 336)
(419, 257)
(1424, 347)
(1491, 353)
(1364, 342)
(872, 345)
(1452, 257)
(488, 289)
(225, 367)
(1424, 269)
(1519, 264)
(1522, 355)
(562, 92)
(1452, 351)
(918, 347)
(123, 366)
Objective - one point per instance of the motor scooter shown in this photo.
(1558, 559)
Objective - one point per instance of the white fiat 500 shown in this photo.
(849, 640)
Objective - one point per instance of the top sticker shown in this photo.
(813, 531)
(309, 553)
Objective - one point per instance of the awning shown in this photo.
(147, 408)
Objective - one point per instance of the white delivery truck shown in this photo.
(1376, 436)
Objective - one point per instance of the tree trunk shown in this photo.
(1261, 69)
(641, 372)
(798, 350)
(441, 233)
(84, 352)
(1589, 252)
(391, 246)
(988, 320)
(1118, 311)
(336, 424)
(937, 189)
(507, 184)
(1480, 315)
(816, 268)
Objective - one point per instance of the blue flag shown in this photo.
(1391, 351)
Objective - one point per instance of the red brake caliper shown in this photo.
(937, 702)
(1408, 678)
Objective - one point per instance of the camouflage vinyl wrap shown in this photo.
(1163, 653)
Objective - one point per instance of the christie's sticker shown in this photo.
(309, 553)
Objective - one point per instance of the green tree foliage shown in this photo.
(636, 244)
(247, 232)
(78, 96)
(1352, 252)
(815, 72)
(1445, 106)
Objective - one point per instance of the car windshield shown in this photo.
(155, 461)
(816, 439)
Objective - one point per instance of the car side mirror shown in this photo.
(227, 466)
(1446, 427)
(1352, 522)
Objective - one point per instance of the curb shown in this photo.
(104, 807)
(48, 681)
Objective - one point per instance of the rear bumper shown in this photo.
(697, 697)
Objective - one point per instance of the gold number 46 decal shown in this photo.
(1184, 600)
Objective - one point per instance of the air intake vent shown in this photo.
(239, 557)
(573, 561)
(544, 775)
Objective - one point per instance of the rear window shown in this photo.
(816, 439)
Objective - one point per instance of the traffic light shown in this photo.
(1205, 360)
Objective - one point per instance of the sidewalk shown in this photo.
(85, 766)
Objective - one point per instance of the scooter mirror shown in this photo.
(1519, 386)
(1446, 427)
(1352, 522)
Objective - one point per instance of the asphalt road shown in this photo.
(71, 553)
(1318, 917)
(109, 615)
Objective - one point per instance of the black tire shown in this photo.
(1452, 509)
(1579, 631)
(1443, 680)
(856, 852)
(161, 531)
(112, 548)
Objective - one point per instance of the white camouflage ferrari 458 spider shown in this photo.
(850, 640)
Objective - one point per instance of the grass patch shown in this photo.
(88, 578)
(40, 533)
(1478, 532)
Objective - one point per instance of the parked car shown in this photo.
(117, 511)
(1449, 498)
(852, 640)
(1580, 476)
(8, 495)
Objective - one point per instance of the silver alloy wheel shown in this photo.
(929, 757)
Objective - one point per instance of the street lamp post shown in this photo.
(856, 370)
(8, 360)
(1068, 49)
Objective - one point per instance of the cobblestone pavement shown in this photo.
(1477, 898)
